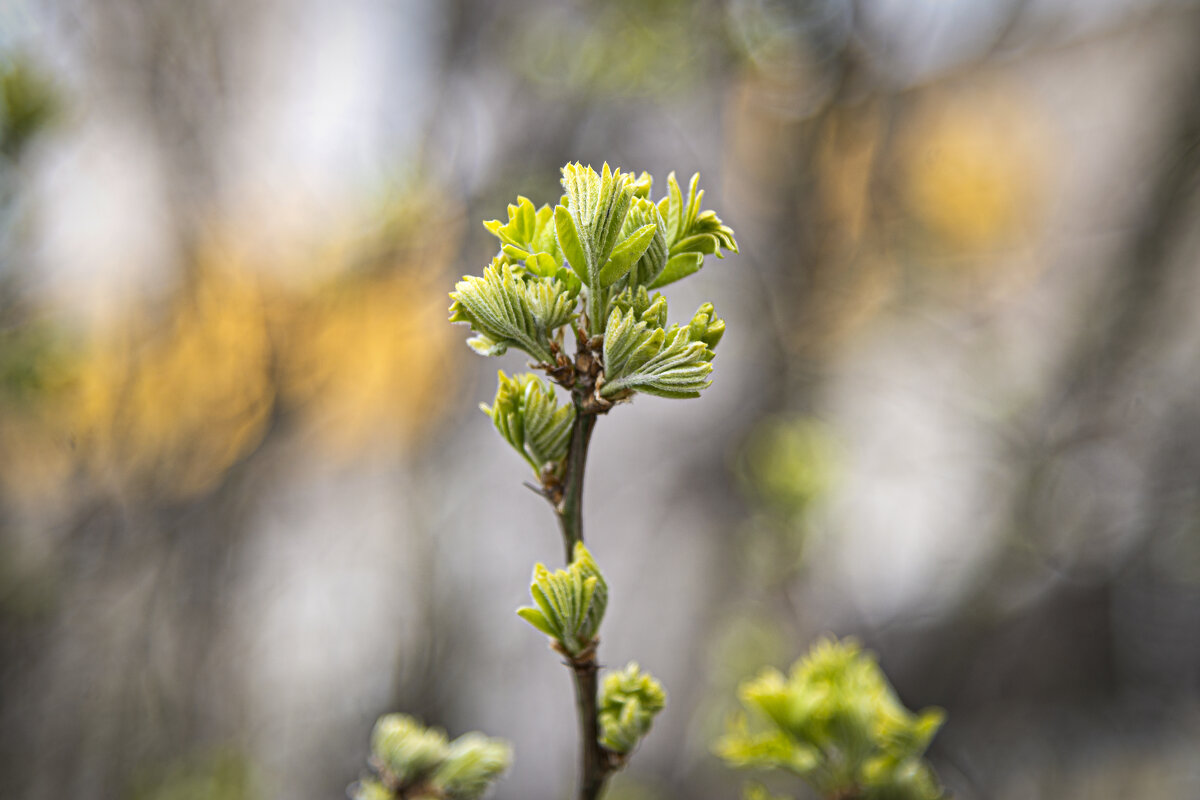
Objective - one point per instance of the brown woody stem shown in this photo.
(594, 764)
(594, 768)
(570, 509)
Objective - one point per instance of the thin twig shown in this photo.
(595, 765)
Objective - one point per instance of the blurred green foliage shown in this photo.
(835, 721)
(788, 464)
(626, 48)
(413, 761)
(225, 775)
(27, 104)
(35, 360)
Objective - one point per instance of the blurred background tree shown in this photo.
(955, 415)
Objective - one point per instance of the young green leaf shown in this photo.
(506, 310)
(570, 603)
(642, 185)
(672, 363)
(598, 204)
(527, 233)
(625, 254)
(542, 264)
(589, 225)
(571, 244)
(647, 309)
(706, 327)
(629, 701)
(678, 267)
(538, 619)
(690, 232)
(520, 227)
(526, 413)
(651, 263)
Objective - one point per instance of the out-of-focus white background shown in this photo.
(248, 503)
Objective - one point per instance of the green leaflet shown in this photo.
(626, 253)
(835, 721)
(647, 309)
(597, 204)
(652, 261)
(677, 268)
(642, 357)
(629, 701)
(571, 243)
(642, 185)
(593, 235)
(419, 762)
(506, 310)
(527, 233)
(706, 327)
(526, 413)
(570, 603)
(690, 231)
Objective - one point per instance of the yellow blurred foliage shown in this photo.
(167, 399)
(856, 274)
(364, 353)
(935, 194)
(367, 363)
(846, 156)
(971, 169)
(170, 401)
(38, 459)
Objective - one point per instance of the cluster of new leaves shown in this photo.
(596, 252)
(527, 415)
(570, 603)
(691, 233)
(507, 309)
(641, 355)
(415, 762)
(836, 722)
(629, 701)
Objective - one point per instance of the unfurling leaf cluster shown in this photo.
(640, 355)
(527, 415)
(629, 701)
(570, 603)
(835, 721)
(412, 761)
(595, 253)
(508, 310)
